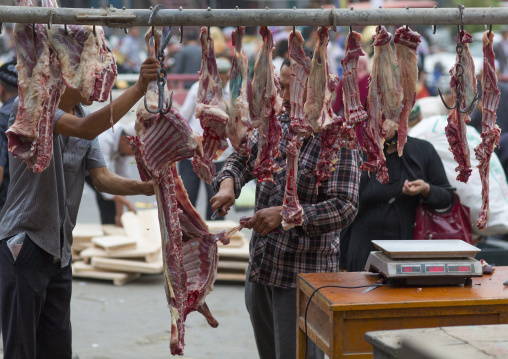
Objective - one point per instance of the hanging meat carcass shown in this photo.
(490, 131)
(321, 86)
(87, 65)
(354, 112)
(264, 109)
(292, 211)
(384, 103)
(40, 86)
(238, 128)
(463, 86)
(406, 42)
(189, 249)
(212, 111)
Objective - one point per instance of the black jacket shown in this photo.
(384, 211)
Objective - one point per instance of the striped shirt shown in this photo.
(276, 259)
(45, 205)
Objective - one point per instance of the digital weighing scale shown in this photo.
(424, 263)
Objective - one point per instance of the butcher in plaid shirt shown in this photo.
(276, 255)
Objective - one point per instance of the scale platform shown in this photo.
(424, 263)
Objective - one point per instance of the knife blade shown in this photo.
(216, 213)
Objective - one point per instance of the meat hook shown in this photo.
(50, 19)
(208, 33)
(1, 28)
(94, 33)
(350, 29)
(181, 34)
(125, 30)
(334, 19)
(294, 30)
(461, 10)
(155, 10)
(66, 32)
(434, 27)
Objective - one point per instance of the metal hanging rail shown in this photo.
(121, 18)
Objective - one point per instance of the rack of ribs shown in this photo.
(264, 109)
(40, 86)
(455, 130)
(490, 131)
(354, 112)
(238, 128)
(292, 211)
(212, 111)
(406, 42)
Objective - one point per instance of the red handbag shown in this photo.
(452, 224)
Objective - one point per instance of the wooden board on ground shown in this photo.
(234, 252)
(112, 230)
(84, 232)
(148, 251)
(82, 270)
(112, 244)
(240, 267)
(125, 265)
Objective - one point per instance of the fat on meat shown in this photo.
(189, 249)
(321, 86)
(406, 42)
(238, 128)
(87, 65)
(384, 103)
(354, 112)
(490, 131)
(40, 85)
(292, 211)
(212, 111)
(455, 130)
(264, 109)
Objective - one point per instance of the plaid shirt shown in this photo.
(277, 258)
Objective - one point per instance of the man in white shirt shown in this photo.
(190, 179)
(117, 155)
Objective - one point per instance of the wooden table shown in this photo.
(338, 319)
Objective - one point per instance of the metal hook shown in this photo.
(33, 31)
(181, 34)
(94, 33)
(294, 30)
(351, 30)
(208, 33)
(50, 19)
(155, 10)
(490, 28)
(434, 27)
(334, 19)
(125, 30)
(1, 25)
(66, 32)
(461, 11)
(444, 102)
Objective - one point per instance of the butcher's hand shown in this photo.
(225, 198)
(414, 188)
(147, 73)
(146, 188)
(266, 220)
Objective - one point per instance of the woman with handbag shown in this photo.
(387, 211)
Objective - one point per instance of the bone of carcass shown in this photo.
(292, 211)
(321, 86)
(239, 129)
(456, 128)
(354, 112)
(406, 42)
(264, 109)
(490, 131)
(331, 142)
(384, 100)
(40, 85)
(212, 111)
(87, 65)
(189, 249)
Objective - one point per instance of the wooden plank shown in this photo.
(226, 252)
(239, 266)
(235, 277)
(148, 251)
(112, 230)
(86, 231)
(82, 270)
(125, 265)
(114, 243)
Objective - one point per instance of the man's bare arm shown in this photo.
(106, 181)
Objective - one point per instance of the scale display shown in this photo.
(432, 268)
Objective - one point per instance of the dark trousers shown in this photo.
(273, 314)
(35, 299)
(192, 182)
(107, 208)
